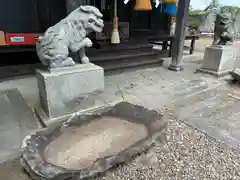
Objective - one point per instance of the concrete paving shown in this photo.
(17, 121)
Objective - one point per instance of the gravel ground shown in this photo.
(187, 154)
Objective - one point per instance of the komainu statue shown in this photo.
(224, 29)
(69, 35)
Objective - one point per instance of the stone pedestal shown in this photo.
(218, 60)
(65, 90)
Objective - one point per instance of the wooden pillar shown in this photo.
(179, 38)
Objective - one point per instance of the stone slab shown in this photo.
(17, 121)
(218, 60)
(63, 89)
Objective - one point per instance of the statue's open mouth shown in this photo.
(99, 23)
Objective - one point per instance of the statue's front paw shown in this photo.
(85, 60)
(88, 42)
(67, 62)
(53, 65)
(74, 48)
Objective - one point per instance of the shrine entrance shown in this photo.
(131, 23)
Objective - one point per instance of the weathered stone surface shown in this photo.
(136, 127)
(218, 60)
(62, 91)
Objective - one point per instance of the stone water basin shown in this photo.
(89, 144)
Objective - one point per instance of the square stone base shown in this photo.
(214, 73)
(63, 91)
(218, 60)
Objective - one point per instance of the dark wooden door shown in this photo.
(107, 8)
(50, 12)
(142, 20)
(145, 23)
(159, 22)
(140, 23)
(124, 11)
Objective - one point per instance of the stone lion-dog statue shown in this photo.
(223, 32)
(69, 35)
